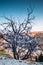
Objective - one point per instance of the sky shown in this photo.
(18, 10)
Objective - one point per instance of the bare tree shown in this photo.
(21, 31)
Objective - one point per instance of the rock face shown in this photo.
(36, 53)
(24, 53)
(9, 52)
(4, 46)
(29, 51)
(39, 39)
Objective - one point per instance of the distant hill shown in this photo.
(36, 32)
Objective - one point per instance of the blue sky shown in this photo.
(17, 9)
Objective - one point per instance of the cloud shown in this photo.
(38, 27)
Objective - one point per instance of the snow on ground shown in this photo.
(17, 62)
